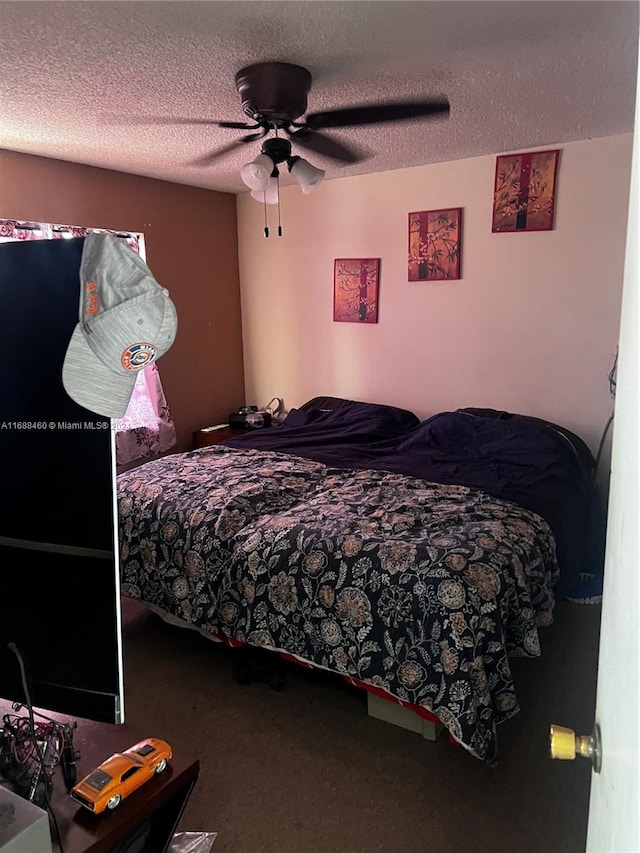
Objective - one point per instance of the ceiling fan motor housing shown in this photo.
(278, 149)
(273, 92)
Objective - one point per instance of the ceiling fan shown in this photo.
(274, 97)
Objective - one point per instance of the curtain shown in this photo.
(147, 427)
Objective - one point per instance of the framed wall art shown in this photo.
(434, 244)
(524, 191)
(355, 290)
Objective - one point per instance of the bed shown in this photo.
(412, 558)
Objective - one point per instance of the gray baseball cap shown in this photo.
(127, 321)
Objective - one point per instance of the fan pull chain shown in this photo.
(278, 187)
(264, 202)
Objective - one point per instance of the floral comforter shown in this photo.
(420, 589)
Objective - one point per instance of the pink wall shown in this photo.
(531, 327)
(191, 243)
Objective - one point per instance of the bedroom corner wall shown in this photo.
(191, 244)
(531, 327)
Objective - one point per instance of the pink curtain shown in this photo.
(147, 428)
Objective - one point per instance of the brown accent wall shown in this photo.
(192, 250)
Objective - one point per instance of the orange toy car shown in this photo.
(121, 774)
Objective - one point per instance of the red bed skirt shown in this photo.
(382, 694)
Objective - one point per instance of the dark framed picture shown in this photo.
(525, 191)
(434, 244)
(355, 290)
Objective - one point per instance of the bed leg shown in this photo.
(397, 715)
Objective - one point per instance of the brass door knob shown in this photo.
(565, 744)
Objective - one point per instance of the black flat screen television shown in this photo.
(59, 571)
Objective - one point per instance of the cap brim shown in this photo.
(92, 385)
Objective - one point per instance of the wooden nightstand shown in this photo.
(204, 438)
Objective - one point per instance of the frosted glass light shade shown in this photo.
(306, 175)
(256, 174)
(268, 195)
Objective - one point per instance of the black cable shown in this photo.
(612, 391)
(612, 375)
(601, 446)
(25, 687)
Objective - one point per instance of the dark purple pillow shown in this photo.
(375, 420)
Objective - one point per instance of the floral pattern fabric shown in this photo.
(420, 589)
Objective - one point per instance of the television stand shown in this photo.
(144, 822)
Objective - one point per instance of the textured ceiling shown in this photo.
(517, 74)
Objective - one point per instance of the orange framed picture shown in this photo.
(524, 192)
(355, 290)
(434, 244)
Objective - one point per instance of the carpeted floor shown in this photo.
(305, 770)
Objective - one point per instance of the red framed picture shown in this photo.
(434, 244)
(524, 191)
(355, 290)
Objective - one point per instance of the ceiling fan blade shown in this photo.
(374, 113)
(321, 144)
(123, 120)
(237, 125)
(219, 152)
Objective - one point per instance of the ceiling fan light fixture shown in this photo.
(306, 175)
(257, 174)
(268, 195)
